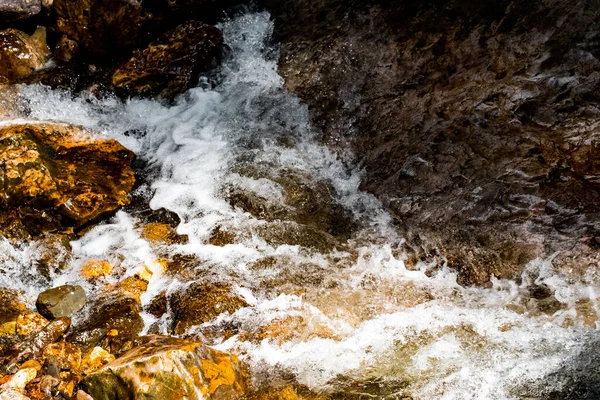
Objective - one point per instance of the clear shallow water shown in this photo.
(353, 319)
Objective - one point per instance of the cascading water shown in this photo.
(366, 325)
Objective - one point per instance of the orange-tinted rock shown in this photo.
(202, 302)
(56, 177)
(159, 232)
(286, 393)
(95, 359)
(170, 65)
(21, 54)
(95, 269)
(29, 323)
(66, 355)
(166, 368)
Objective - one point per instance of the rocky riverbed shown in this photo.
(298, 200)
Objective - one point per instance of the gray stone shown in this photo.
(62, 301)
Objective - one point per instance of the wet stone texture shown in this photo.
(170, 65)
(164, 368)
(477, 122)
(56, 177)
(21, 54)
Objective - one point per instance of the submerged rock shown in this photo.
(61, 301)
(166, 368)
(21, 54)
(56, 177)
(170, 65)
(201, 302)
(15, 10)
(476, 123)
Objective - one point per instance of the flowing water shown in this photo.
(337, 313)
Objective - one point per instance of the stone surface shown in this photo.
(14, 10)
(56, 177)
(33, 347)
(29, 323)
(476, 122)
(112, 320)
(170, 65)
(166, 368)
(21, 54)
(19, 380)
(66, 355)
(106, 26)
(65, 49)
(61, 301)
(95, 359)
(12, 394)
(96, 269)
(202, 302)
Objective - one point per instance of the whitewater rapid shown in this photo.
(370, 325)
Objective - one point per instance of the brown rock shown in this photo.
(166, 368)
(30, 323)
(455, 113)
(170, 65)
(95, 359)
(96, 268)
(66, 355)
(116, 310)
(61, 301)
(202, 302)
(106, 26)
(65, 49)
(21, 54)
(15, 10)
(55, 176)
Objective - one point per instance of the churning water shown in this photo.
(363, 325)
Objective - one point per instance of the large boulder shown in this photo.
(15, 10)
(106, 26)
(57, 176)
(170, 65)
(476, 121)
(21, 54)
(166, 368)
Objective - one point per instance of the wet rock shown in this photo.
(95, 359)
(170, 65)
(66, 355)
(106, 26)
(32, 347)
(112, 320)
(292, 392)
(11, 305)
(10, 106)
(159, 232)
(29, 323)
(96, 269)
(169, 368)
(55, 251)
(65, 49)
(294, 234)
(21, 54)
(201, 302)
(61, 301)
(56, 177)
(457, 116)
(15, 10)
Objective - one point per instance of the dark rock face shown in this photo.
(477, 122)
(56, 177)
(106, 26)
(15, 10)
(170, 65)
